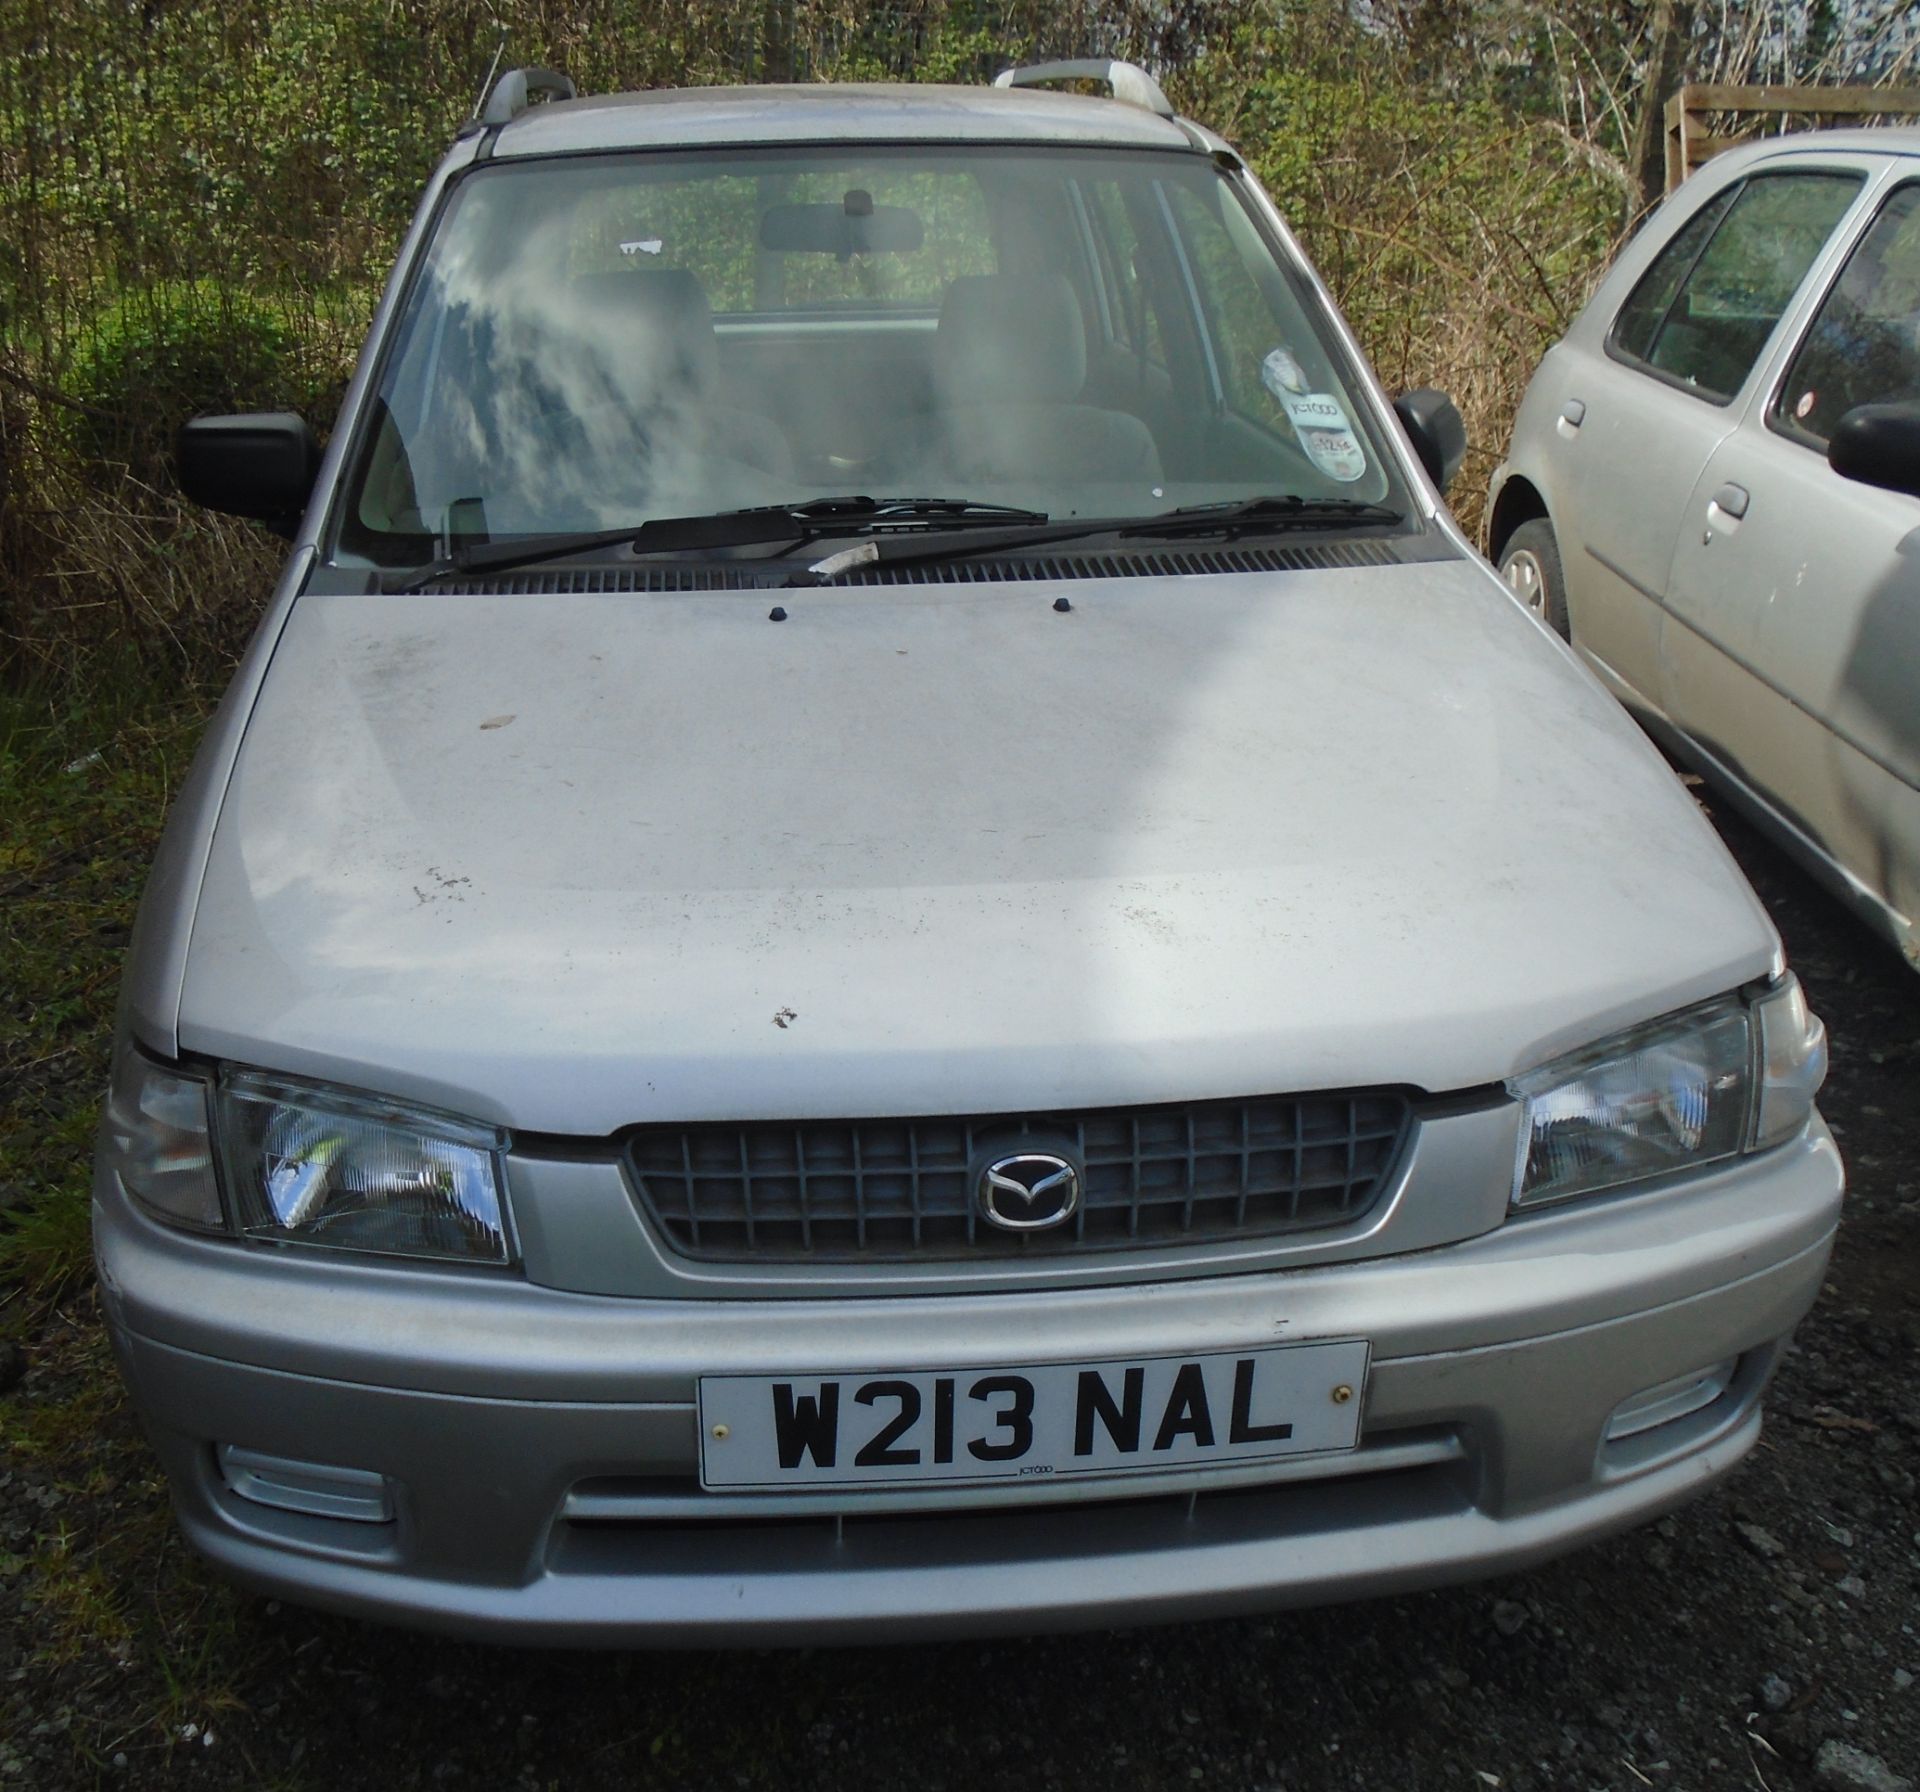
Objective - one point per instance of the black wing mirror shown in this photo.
(1437, 431)
(261, 465)
(1879, 444)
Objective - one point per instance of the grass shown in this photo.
(84, 787)
(101, 1595)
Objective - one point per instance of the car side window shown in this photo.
(1638, 324)
(1722, 302)
(1863, 346)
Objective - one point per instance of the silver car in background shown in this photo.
(1714, 491)
(889, 936)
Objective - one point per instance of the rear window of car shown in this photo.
(1703, 311)
(712, 227)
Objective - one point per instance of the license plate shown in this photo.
(1044, 1421)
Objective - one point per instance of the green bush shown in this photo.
(151, 359)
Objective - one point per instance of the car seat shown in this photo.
(1009, 371)
(650, 345)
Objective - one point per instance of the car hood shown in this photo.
(571, 862)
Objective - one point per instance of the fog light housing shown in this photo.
(1670, 1400)
(314, 1488)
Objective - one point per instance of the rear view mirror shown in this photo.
(1879, 444)
(856, 226)
(1437, 431)
(261, 465)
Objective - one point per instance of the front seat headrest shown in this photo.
(652, 327)
(1010, 336)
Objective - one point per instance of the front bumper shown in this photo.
(541, 1447)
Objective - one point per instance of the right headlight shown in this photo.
(304, 1164)
(1692, 1089)
(317, 1166)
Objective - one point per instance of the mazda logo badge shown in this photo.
(1029, 1191)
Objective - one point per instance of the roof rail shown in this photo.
(1126, 81)
(511, 92)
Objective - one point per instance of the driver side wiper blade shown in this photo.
(758, 526)
(947, 509)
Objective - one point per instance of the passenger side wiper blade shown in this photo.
(1237, 516)
(1284, 509)
(755, 527)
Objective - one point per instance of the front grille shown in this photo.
(1201, 1172)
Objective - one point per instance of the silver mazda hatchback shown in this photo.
(889, 936)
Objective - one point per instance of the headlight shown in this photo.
(1676, 1094)
(324, 1167)
(155, 1136)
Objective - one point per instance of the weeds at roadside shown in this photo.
(109, 1594)
(100, 1591)
(86, 784)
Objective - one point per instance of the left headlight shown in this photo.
(318, 1166)
(1732, 1076)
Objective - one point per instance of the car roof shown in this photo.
(1875, 140)
(674, 117)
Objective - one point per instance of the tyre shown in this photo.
(1530, 563)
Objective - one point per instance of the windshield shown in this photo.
(595, 342)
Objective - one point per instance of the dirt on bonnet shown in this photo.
(1763, 1638)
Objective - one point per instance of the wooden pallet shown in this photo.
(1689, 143)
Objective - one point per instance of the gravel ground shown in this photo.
(1762, 1638)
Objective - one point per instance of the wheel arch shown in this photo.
(1519, 502)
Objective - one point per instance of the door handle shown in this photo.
(1573, 413)
(1732, 499)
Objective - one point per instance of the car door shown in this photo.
(1643, 414)
(1793, 647)
(1625, 446)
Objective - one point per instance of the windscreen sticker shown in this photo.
(1336, 452)
(1318, 418)
(1282, 375)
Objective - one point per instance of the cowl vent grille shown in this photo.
(584, 581)
(1162, 563)
(580, 581)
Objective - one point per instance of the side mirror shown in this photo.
(1879, 444)
(1437, 431)
(261, 465)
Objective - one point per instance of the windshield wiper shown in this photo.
(758, 526)
(944, 510)
(1285, 509)
(1233, 517)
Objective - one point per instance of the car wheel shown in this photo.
(1530, 563)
